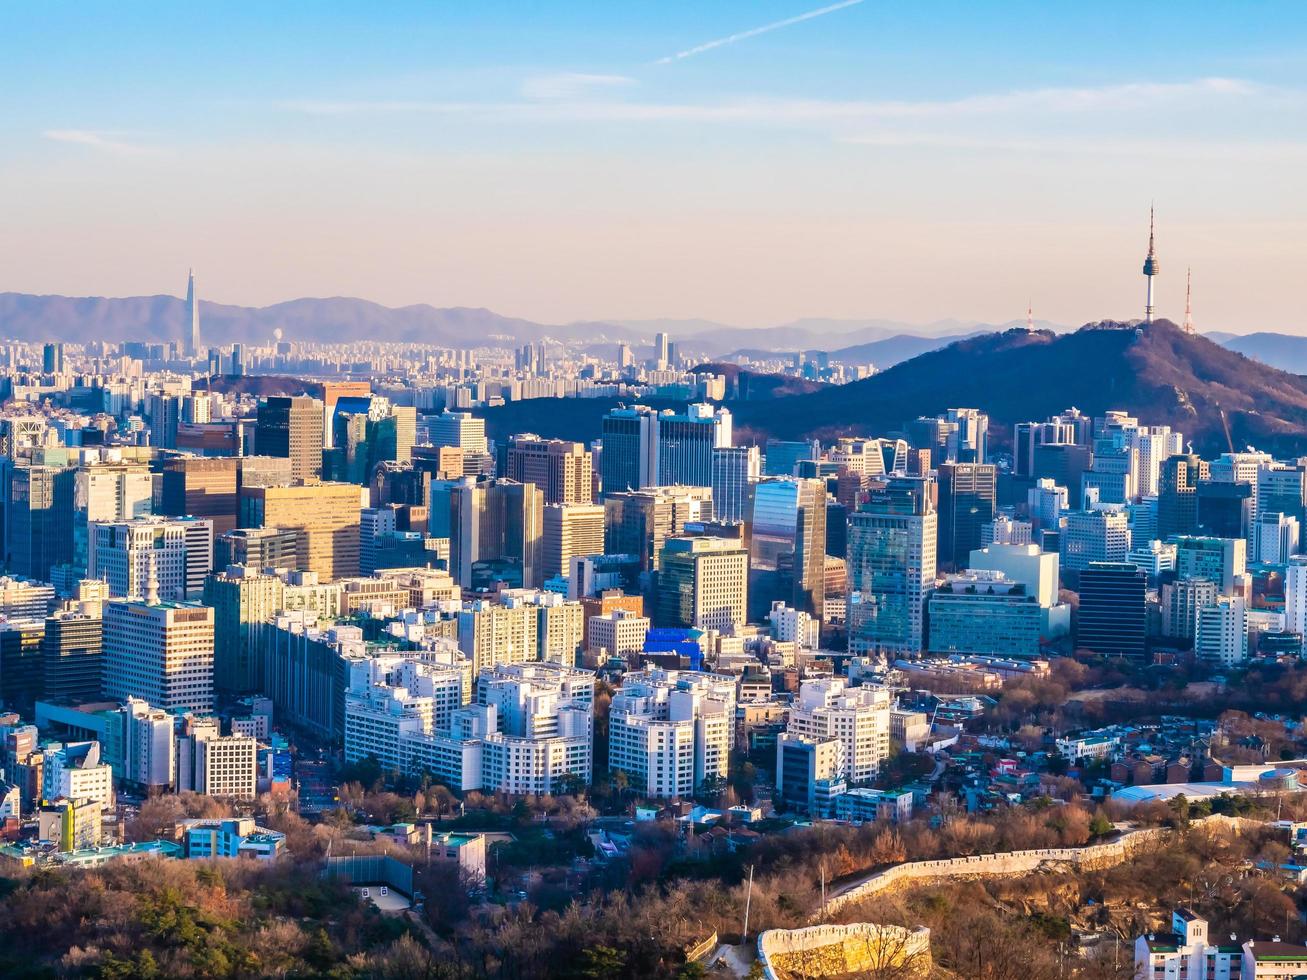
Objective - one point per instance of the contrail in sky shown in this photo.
(765, 29)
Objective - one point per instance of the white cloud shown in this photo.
(105, 141)
(570, 85)
(554, 104)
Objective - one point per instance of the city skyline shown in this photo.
(744, 164)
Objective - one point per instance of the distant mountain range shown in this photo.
(33, 318)
(1158, 372)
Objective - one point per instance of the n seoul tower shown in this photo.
(1150, 270)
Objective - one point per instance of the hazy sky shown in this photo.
(736, 161)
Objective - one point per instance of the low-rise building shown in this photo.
(239, 837)
(869, 805)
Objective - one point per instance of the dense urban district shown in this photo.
(315, 662)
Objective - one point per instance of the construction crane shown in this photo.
(1225, 425)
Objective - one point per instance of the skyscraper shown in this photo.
(52, 359)
(292, 427)
(325, 517)
(177, 554)
(39, 520)
(162, 652)
(570, 531)
(638, 522)
(201, 486)
(71, 657)
(561, 469)
(192, 343)
(495, 533)
(703, 583)
(787, 546)
(968, 493)
(1113, 619)
(108, 492)
(459, 429)
(630, 449)
(891, 567)
(1177, 494)
(735, 469)
(686, 442)
(241, 598)
(968, 439)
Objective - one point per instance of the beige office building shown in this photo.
(571, 531)
(325, 515)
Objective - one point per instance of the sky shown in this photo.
(749, 163)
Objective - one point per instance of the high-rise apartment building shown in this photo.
(562, 470)
(703, 583)
(324, 516)
(671, 732)
(891, 567)
(1181, 601)
(858, 717)
(1295, 595)
(161, 652)
(292, 427)
(1221, 635)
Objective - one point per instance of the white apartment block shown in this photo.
(1221, 637)
(149, 745)
(491, 633)
(530, 731)
(858, 716)
(1295, 595)
(74, 772)
(669, 731)
(1185, 953)
(790, 625)
(618, 634)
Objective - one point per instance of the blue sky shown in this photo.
(560, 161)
